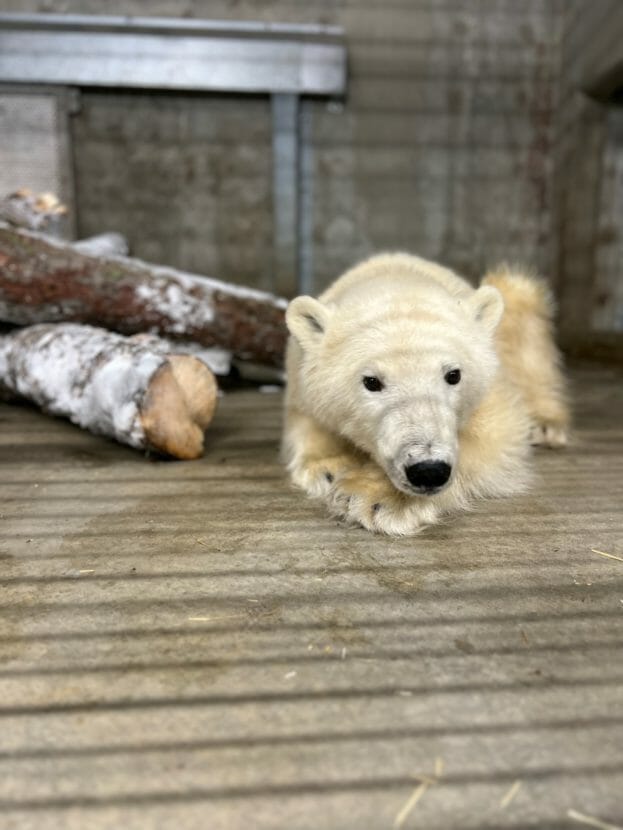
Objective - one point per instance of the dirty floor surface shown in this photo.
(194, 645)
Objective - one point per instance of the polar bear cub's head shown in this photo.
(398, 375)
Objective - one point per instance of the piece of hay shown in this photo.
(510, 795)
(609, 555)
(413, 799)
(591, 821)
(418, 792)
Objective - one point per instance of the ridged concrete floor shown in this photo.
(193, 645)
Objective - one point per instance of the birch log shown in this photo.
(44, 280)
(128, 388)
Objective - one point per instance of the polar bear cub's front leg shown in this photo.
(366, 497)
(352, 486)
(315, 457)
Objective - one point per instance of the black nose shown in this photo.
(428, 475)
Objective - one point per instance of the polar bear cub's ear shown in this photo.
(307, 320)
(487, 306)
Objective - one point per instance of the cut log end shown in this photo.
(178, 406)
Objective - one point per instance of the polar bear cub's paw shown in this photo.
(365, 497)
(316, 476)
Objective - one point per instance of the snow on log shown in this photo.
(45, 280)
(104, 244)
(128, 388)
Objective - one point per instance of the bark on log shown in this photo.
(128, 388)
(43, 280)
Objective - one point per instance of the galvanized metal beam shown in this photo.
(166, 53)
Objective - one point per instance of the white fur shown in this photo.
(408, 322)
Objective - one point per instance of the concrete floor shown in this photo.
(194, 645)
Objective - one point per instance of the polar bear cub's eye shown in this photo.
(453, 376)
(373, 384)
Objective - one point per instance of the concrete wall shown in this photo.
(186, 177)
(607, 312)
(443, 146)
(588, 152)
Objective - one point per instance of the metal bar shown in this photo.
(305, 262)
(199, 55)
(285, 111)
(168, 25)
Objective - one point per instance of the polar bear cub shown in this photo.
(410, 393)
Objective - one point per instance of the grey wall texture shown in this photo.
(443, 146)
(588, 178)
(187, 178)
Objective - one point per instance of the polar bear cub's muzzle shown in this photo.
(419, 454)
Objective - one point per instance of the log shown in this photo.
(41, 212)
(36, 211)
(128, 388)
(45, 280)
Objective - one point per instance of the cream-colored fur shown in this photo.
(411, 324)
